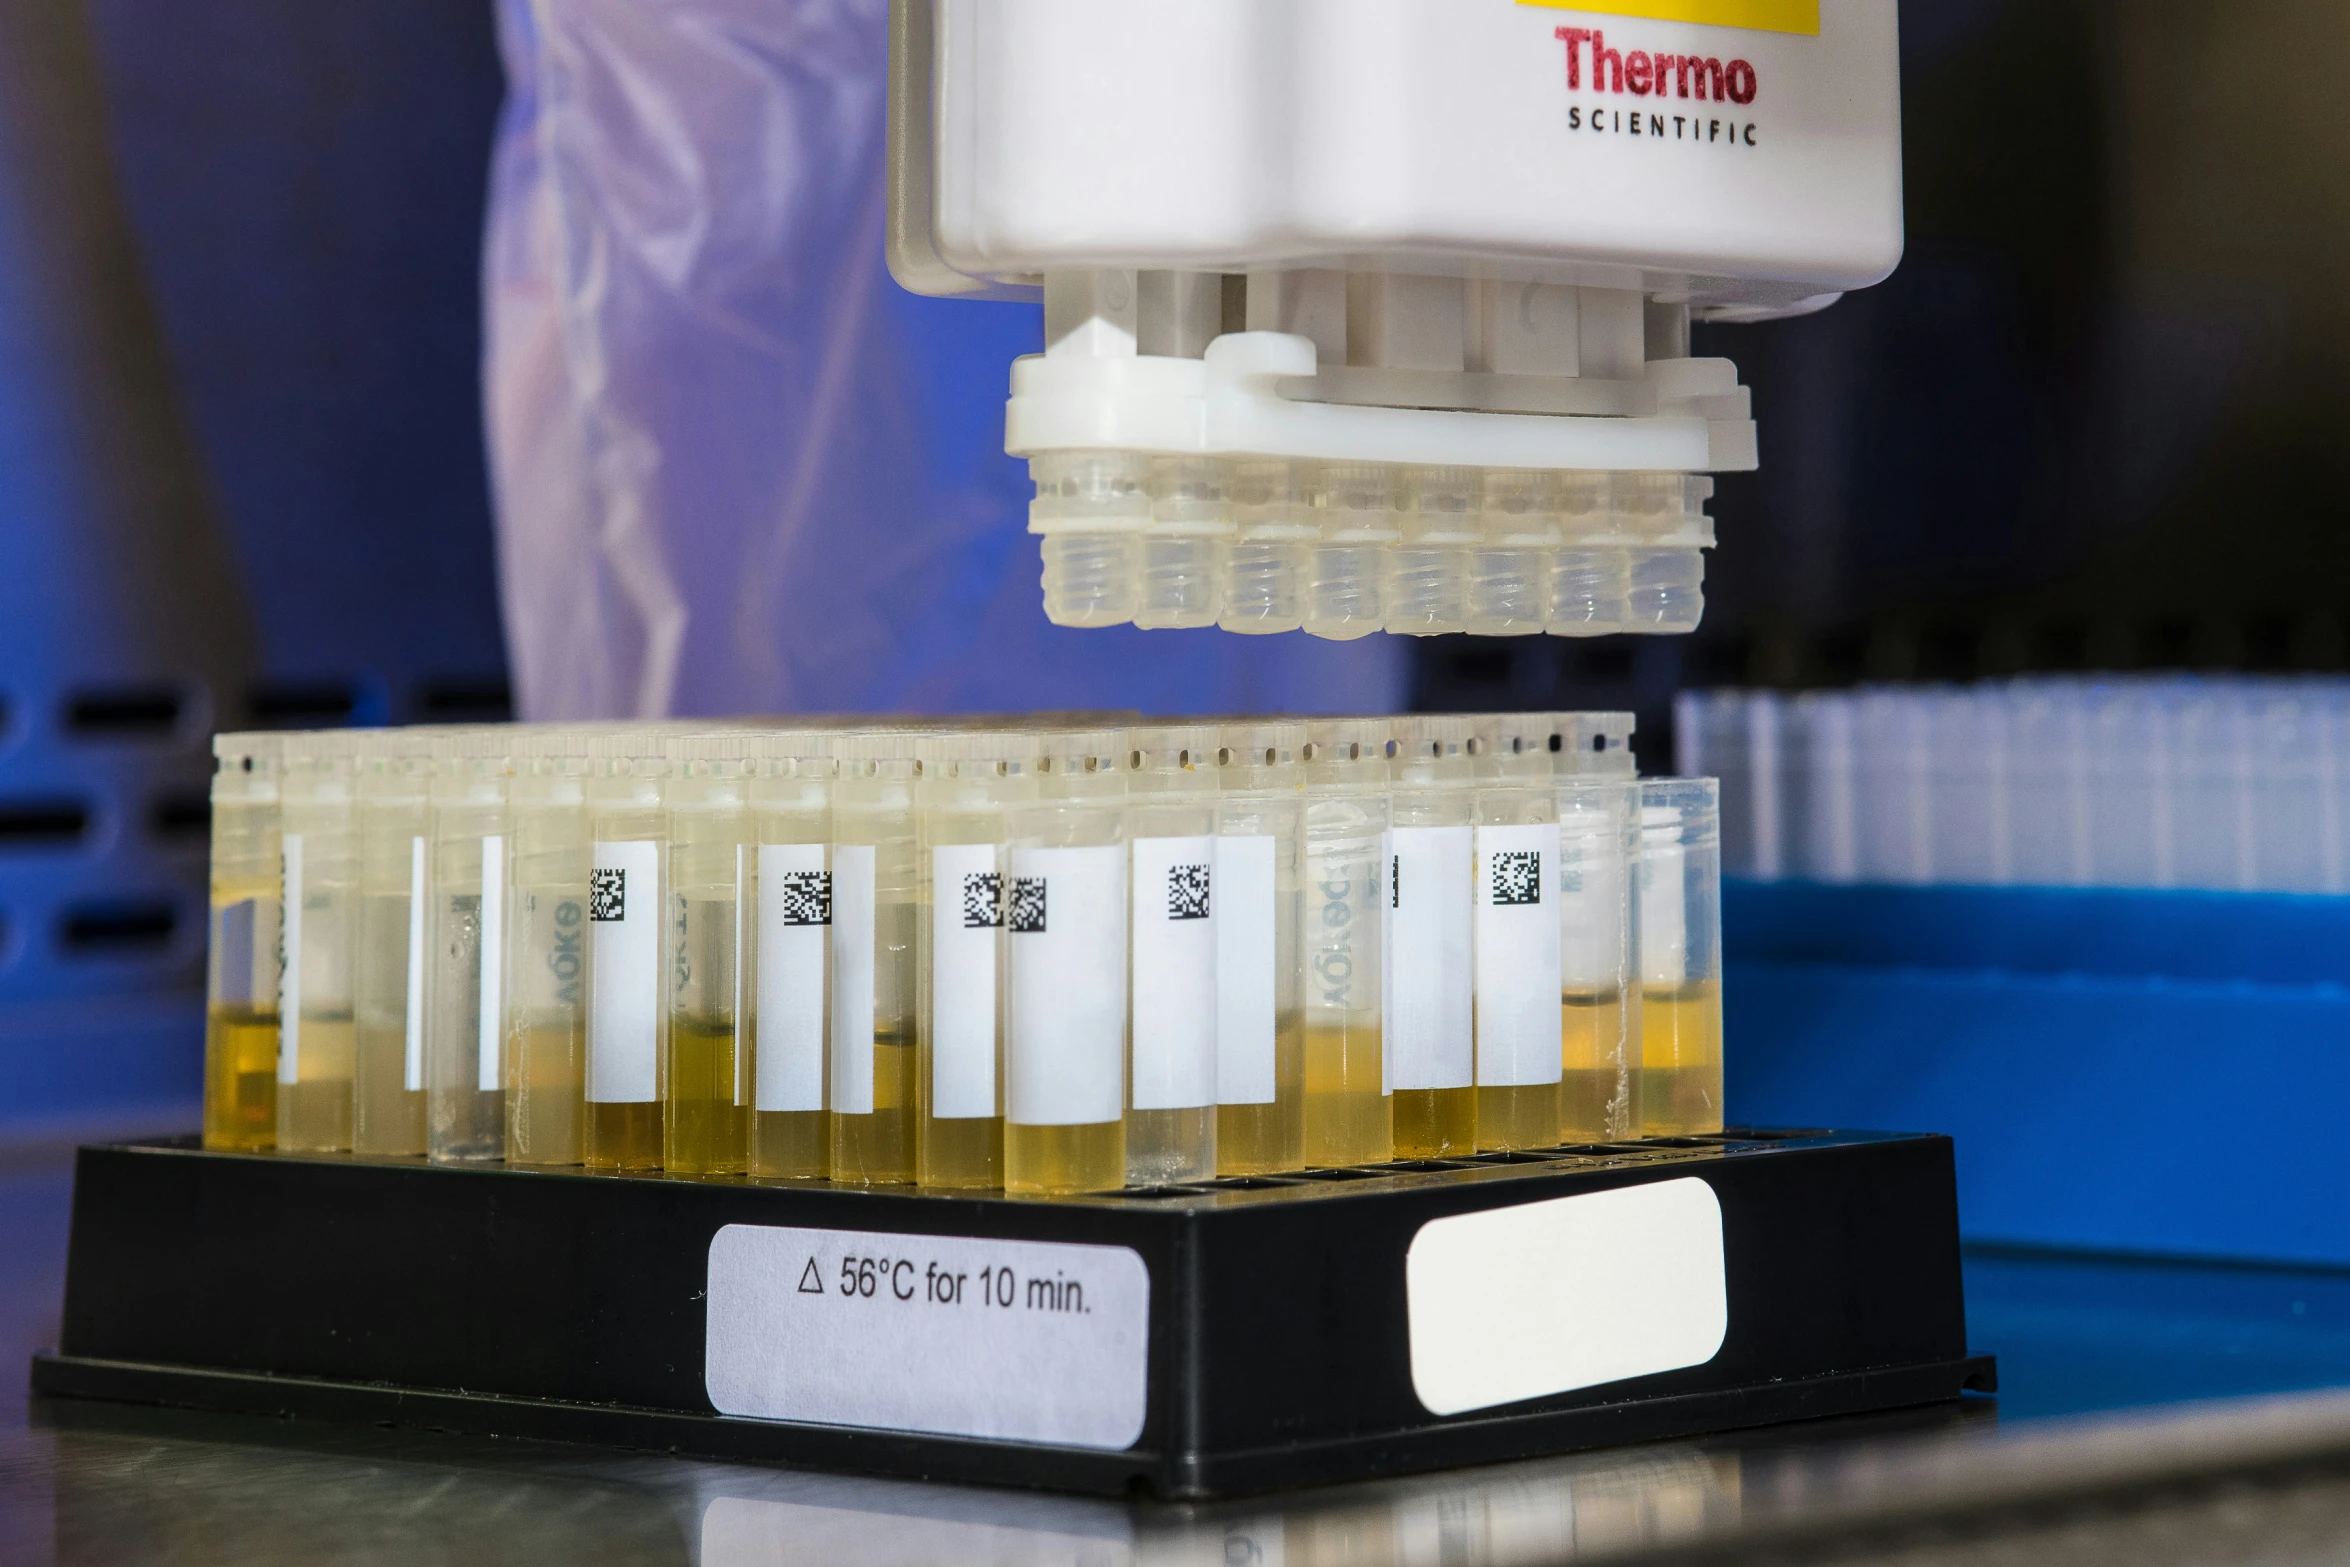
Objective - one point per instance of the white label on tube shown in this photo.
(1247, 887)
(491, 1022)
(1575, 1292)
(624, 953)
(1431, 882)
(1065, 920)
(852, 979)
(1174, 973)
(795, 916)
(742, 912)
(289, 973)
(412, 1077)
(1517, 955)
(966, 922)
(1009, 1341)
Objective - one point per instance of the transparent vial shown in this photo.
(791, 809)
(970, 782)
(1511, 564)
(876, 908)
(1171, 982)
(1090, 512)
(630, 927)
(1265, 563)
(1590, 585)
(242, 967)
(464, 981)
(1260, 983)
(1680, 957)
(547, 951)
(1347, 1110)
(1428, 567)
(317, 1031)
(1599, 855)
(1664, 514)
(1520, 1048)
(1428, 995)
(1184, 549)
(1065, 972)
(706, 1112)
(1357, 507)
(388, 956)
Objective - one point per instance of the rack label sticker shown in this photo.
(1547, 1297)
(1021, 1341)
(1429, 886)
(1175, 911)
(966, 920)
(413, 1066)
(852, 979)
(624, 957)
(795, 911)
(1066, 925)
(1517, 962)
(490, 1022)
(1247, 976)
(289, 971)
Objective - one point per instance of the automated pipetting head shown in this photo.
(1377, 317)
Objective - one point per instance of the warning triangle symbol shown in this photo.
(810, 1284)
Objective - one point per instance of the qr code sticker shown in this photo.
(805, 898)
(607, 895)
(983, 901)
(1517, 877)
(1187, 892)
(1028, 905)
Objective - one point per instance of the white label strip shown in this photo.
(1517, 964)
(742, 913)
(1065, 922)
(1547, 1297)
(1019, 1341)
(1431, 885)
(852, 979)
(289, 973)
(1174, 936)
(1247, 1001)
(966, 921)
(795, 917)
(413, 1068)
(490, 1024)
(624, 958)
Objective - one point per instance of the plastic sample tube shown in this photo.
(628, 946)
(711, 958)
(791, 814)
(1266, 562)
(1348, 1116)
(1664, 514)
(1065, 984)
(969, 785)
(1590, 584)
(242, 969)
(876, 905)
(1520, 1049)
(1260, 994)
(1429, 1000)
(1183, 550)
(1592, 745)
(1358, 508)
(316, 1028)
(1171, 983)
(1428, 567)
(388, 957)
(464, 980)
(1510, 566)
(547, 938)
(1599, 1009)
(1091, 510)
(1680, 957)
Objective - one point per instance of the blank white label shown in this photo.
(1517, 965)
(413, 1067)
(1431, 882)
(289, 974)
(852, 979)
(1019, 1341)
(1247, 998)
(795, 916)
(1065, 921)
(966, 922)
(1548, 1297)
(490, 1023)
(1174, 973)
(624, 949)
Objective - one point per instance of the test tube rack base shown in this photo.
(1222, 1338)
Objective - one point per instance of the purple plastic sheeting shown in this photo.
(737, 469)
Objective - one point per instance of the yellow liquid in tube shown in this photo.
(791, 1145)
(623, 1138)
(314, 1113)
(1435, 1123)
(1681, 1060)
(878, 1149)
(707, 1130)
(1346, 1115)
(1269, 1139)
(240, 1079)
(1063, 1160)
(1591, 1033)
(1517, 1115)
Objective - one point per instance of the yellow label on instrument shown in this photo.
(1767, 16)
